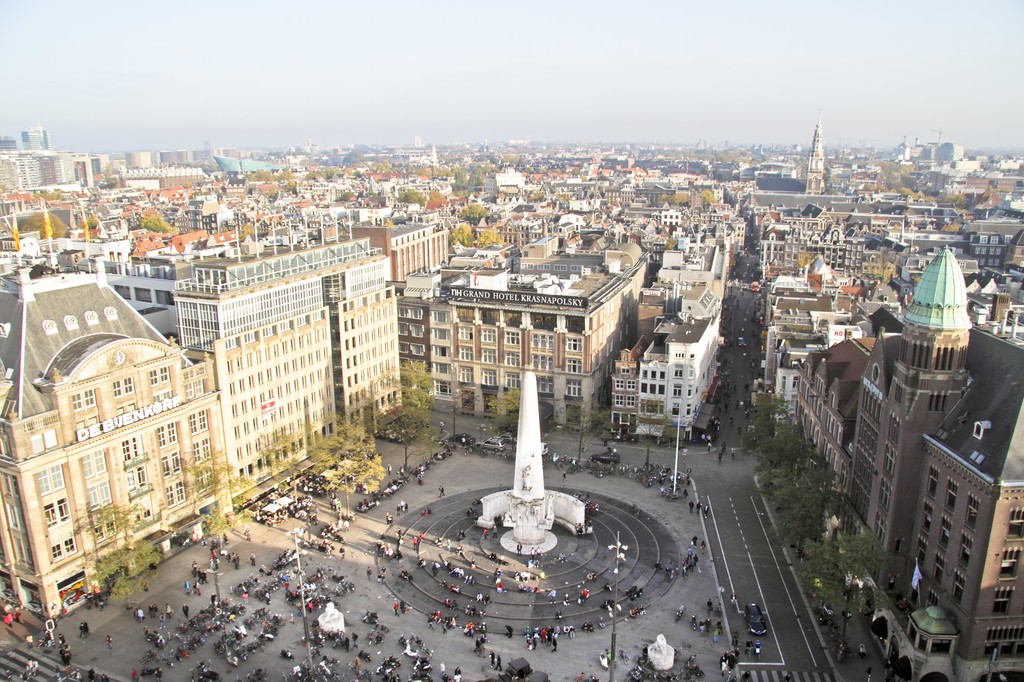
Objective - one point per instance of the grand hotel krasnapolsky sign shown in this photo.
(517, 298)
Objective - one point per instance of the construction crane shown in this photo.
(939, 131)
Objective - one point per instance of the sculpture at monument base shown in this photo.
(331, 621)
(529, 509)
(661, 654)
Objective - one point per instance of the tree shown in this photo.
(416, 387)
(34, 223)
(588, 418)
(155, 223)
(839, 571)
(708, 197)
(123, 567)
(676, 199)
(487, 237)
(474, 213)
(462, 235)
(651, 425)
(436, 197)
(460, 179)
(353, 472)
(505, 407)
(411, 196)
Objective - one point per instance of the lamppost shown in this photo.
(620, 554)
(302, 595)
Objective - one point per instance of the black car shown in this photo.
(462, 439)
(606, 458)
(755, 619)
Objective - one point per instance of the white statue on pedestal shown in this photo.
(661, 654)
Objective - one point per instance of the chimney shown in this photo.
(1000, 307)
(101, 272)
(25, 286)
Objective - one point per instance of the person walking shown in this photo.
(440, 491)
(110, 642)
(184, 609)
(497, 666)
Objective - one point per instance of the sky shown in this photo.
(108, 76)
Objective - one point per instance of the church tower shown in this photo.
(816, 163)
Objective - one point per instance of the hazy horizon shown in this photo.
(245, 74)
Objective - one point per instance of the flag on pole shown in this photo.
(47, 225)
(85, 224)
(916, 580)
(15, 235)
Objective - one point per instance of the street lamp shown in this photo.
(302, 595)
(620, 554)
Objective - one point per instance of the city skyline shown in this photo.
(245, 75)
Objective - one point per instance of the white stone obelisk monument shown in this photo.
(528, 508)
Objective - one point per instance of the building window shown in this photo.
(439, 316)
(466, 375)
(574, 388)
(442, 387)
(574, 366)
(94, 464)
(123, 387)
(545, 385)
(1008, 567)
(543, 341)
(1001, 602)
(958, 586)
(83, 400)
(890, 459)
(972, 510)
(167, 435)
(926, 517)
(489, 377)
(512, 359)
(966, 543)
(194, 389)
(57, 512)
(159, 376)
(1016, 528)
(466, 353)
(951, 488)
(573, 344)
(136, 479)
(50, 479)
(933, 480)
(99, 494)
(439, 334)
(197, 422)
(63, 547)
(171, 463)
(145, 295)
(201, 450)
(940, 565)
(488, 335)
(543, 362)
(130, 449)
(944, 531)
(489, 356)
(884, 494)
(511, 338)
(511, 380)
(175, 494)
(465, 333)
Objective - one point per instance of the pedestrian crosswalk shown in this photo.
(15, 663)
(777, 675)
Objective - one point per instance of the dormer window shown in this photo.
(980, 428)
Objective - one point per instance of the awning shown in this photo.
(713, 387)
(880, 627)
(271, 508)
(284, 501)
(701, 421)
(903, 668)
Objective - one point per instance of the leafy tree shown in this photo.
(155, 223)
(345, 440)
(958, 201)
(123, 566)
(587, 418)
(462, 235)
(474, 213)
(411, 196)
(345, 195)
(708, 197)
(437, 197)
(262, 176)
(651, 425)
(505, 406)
(35, 223)
(487, 237)
(676, 199)
(416, 387)
(460, 178)
(838, 571)
(476, 177)
(354, 471)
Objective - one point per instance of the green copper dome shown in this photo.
(940, 298)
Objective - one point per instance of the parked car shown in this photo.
(755, 619)
(741, 342)
(462, 439)
(494, 443)
(609, 457)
